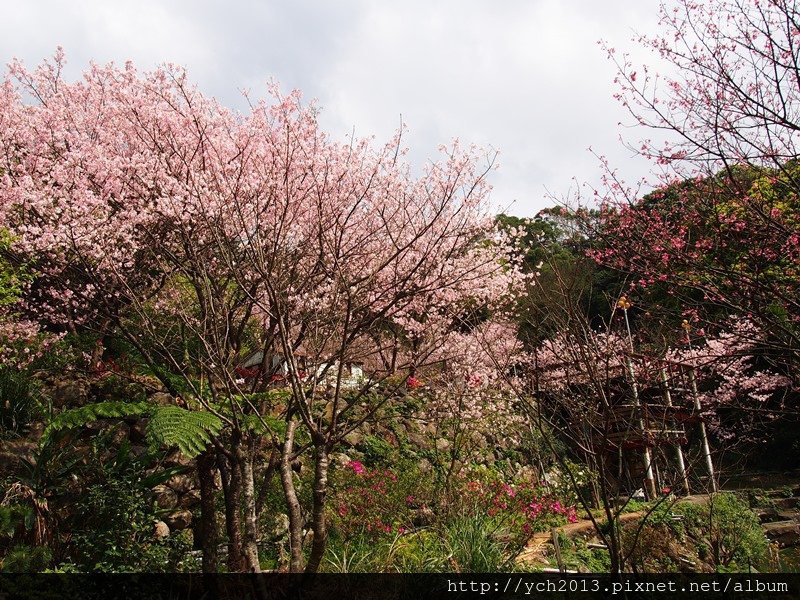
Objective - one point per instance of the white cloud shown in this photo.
(522, 76)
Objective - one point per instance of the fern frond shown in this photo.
(256, 424)
(191, 431)
(82, 416)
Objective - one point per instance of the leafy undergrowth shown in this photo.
(720, 535)
(387, 521)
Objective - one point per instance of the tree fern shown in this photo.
(191, 431)
(80, 417)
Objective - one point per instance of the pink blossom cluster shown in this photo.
(526, 507)
(371, 501)
(21, 340)
(134, 192)
(726, 367)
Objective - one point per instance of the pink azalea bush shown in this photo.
(377, 502)
(522, 506)
(373, 501)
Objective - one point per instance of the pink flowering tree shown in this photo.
(721, 229)
(712, 252)
(199, 235)
(735, 381)
(466, 393)
(723, 84)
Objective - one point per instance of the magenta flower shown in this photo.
(357, 467)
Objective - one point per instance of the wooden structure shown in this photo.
(654, 410)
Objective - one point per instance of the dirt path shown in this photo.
(539, 547)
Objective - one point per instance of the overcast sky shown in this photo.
(525, 77)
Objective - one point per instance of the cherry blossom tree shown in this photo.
(731, 379)
(200, 235)
(725, 84)
(720, 231)
(710, 252)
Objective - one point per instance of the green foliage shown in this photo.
(19, 405)
(421, 551)
(114, 531)
(723, 534)
(80, 417)
(377, 451)
(733, 532)
(553, 246)
(654, 544)
(191, 431)
(12, 517)
(13, 276)
(113, 387)
(574, 481)
(594, 561)
(67, 353)
(479, 544)
(356, 555)
(26, 559)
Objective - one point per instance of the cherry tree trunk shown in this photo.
(292, 503)
(232, 490)
(245, 457)
(206, 463)
(318, 515)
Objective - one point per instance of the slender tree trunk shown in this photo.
(245, 454)
(318, 516)
(206, 463)
(272, 468)
(232, 489)
(292, 503)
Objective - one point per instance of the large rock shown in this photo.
(339, 459)
(120, 434)
(138, 431)
(176, 458)
(784, 533)
(190, 499)
(160, 530)
(14, 452)
(478, 440)
(353, 439)
(785, 503)
(418, 439)
(424, 466)
(181, 483)
(70, 393)
(165, 496)
(180, 519)
(162, 399)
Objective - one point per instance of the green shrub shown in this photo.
(116, 519)
(478, 544)
(19, 406)
(26, 559)
(421, 551)
(377, 451)
(734, 532)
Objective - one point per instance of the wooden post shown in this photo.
(647, 458)
(559, 560)
(678, 449)
(703, 434)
